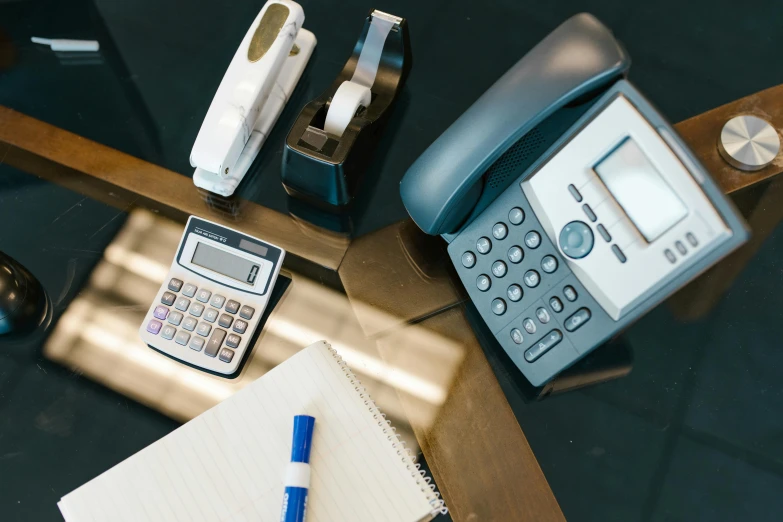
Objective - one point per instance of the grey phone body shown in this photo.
(567, 308)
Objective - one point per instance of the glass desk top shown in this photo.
(687, 426)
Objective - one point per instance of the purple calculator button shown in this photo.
(154, 326)
(161, 312)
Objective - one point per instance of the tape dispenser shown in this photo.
(260, 79)
(333, 139)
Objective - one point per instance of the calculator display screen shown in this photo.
(224, 263)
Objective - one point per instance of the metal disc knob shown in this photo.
(748, 142)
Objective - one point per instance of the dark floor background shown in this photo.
(695, 431)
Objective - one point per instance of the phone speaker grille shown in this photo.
(529, 146)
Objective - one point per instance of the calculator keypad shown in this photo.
(196, 320)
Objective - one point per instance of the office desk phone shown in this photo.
(210, 304)
(570, 205)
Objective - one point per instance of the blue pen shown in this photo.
(297, 476)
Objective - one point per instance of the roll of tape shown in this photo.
(345, 102)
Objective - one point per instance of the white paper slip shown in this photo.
(228, 464)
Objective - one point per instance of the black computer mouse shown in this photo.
(24, 306)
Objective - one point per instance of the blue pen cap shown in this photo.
(303, 438)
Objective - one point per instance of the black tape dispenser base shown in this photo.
(333, 139)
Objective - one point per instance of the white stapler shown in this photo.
(261, 77)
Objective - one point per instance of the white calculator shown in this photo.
(210, 304)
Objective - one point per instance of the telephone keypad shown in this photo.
(532, 278)
(499, 269)
(483, 245)
(532, 239)
(498, 306)
(516, 336)
(542, 315)
(468, 260)
(515, 254)
(514, 293)
(570, 293)
(516, 216)
(483, 282)
(556, 304)
(549, 264)
(499, 231)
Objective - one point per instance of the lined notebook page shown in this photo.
(228, 464)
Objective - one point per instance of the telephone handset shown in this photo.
(571, 207)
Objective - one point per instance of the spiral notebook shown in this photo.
(228, 463)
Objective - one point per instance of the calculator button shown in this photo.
(545, 344)
(577, 319)
(542, 315)
(240, 326)
(182, 304)
(516, 216)
(500, 231)
(217, 301)
(204, 329)
(168, 298)
(529, 325)
(232, 306)
(203, 295)
(182, 338)
(154, 326)
(691, 239)
(531, 278)
(619, 253)
(498, 268)
(589, 213)
(515, 254)
(161, 312)
(514, 293)
(189, 290)
(175, 284)
(604, 233)
(211, 315)
(214, 342)
(556, 304)
(233, 340)
(575, 192)
(168, 332)
(549, 264)
(570, 293)
(516, 336)
(532, 239)
(483, 245)
(246, 312)
(175, 318)
(483, 282)
(197, 343)
(197, 309)
(226, 355)
(498, 306)
(225, 321)
(468, 260)
(189, 324)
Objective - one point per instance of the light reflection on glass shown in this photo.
(98, 335)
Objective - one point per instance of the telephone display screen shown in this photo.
(648, 201)
(224, 263)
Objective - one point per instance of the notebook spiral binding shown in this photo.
(422, 480)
